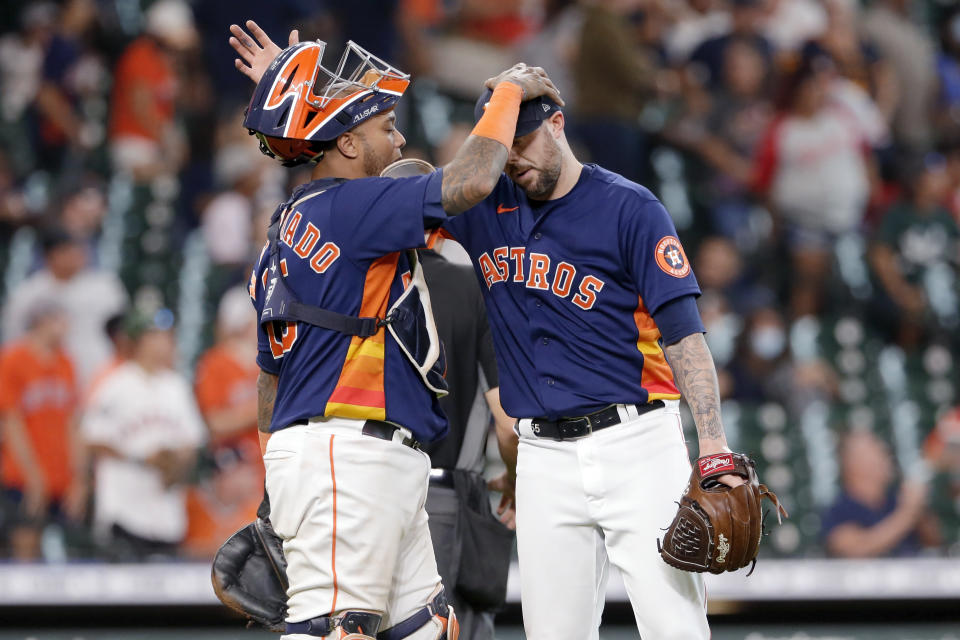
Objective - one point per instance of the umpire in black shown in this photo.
(473, 548)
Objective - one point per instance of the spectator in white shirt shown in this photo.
(143, 429)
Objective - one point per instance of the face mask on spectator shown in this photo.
(768, 342)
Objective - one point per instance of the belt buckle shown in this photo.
(585, 420)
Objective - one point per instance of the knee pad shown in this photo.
(435, 621)
(347, 625)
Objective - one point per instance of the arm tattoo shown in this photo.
(472, 174)
(696, 376)
(266, 396)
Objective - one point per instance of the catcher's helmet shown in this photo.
(298, 102)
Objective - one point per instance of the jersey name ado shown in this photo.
(341, 247)
(571, 285)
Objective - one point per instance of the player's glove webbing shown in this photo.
(717, 528)
(249, 575)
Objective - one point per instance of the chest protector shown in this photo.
(409, 320)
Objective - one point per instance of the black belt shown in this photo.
(570, 428)
(376, 429)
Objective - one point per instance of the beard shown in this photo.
(548, 173)
(374, 162)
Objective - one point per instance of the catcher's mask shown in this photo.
(299, 103)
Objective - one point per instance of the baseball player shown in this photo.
(589, 294)
(350, 362)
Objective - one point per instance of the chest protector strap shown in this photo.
(409, 320)
(281, 305)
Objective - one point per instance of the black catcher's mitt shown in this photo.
(718, 528)
(249, 575)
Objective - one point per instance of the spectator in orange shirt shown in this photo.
(143, 138)
(40, 456)
(227, 396)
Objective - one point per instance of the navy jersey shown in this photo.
(342, 249)
(570, 286)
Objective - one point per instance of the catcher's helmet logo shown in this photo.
(366, 113)
(723, 548)
(670, 257)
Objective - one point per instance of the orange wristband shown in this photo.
(499, 120)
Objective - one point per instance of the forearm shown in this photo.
(475, 170)
(507, 440)
(883, 261)
(472, 174)
(696, 377)
(55, 107)
(507, 443)
(266, 397)
(79, 454)
(98, 450)
(183, 463)
(854, 541)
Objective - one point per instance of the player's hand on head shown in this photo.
(533, 80)
(256, 49)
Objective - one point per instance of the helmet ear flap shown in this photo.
(289, 151)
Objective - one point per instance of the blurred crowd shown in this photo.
(809, 151)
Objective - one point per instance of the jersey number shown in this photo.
(288, 335)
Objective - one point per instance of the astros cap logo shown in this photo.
(670, 257)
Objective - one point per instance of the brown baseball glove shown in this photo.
(718, 528)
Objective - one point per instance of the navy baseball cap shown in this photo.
(532, 112)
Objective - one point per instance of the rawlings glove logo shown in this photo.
(723, 548)
(715, 464)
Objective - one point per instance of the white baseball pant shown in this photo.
(350, 511)
(598, 499)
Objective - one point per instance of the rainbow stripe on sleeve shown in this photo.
(657, 376)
